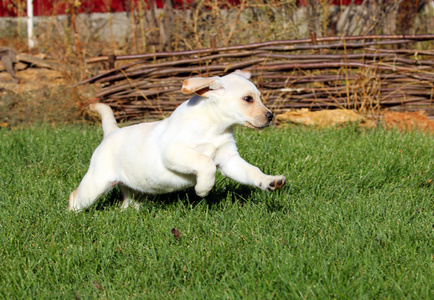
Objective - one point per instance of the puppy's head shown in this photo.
(233, 97)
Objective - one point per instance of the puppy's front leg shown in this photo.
(185, 160)
(236, 168)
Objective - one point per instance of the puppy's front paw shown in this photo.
(202, 194)
(201, 191)
(276, 183)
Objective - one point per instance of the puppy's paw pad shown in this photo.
(277, 184)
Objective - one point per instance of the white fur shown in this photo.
(181, 151)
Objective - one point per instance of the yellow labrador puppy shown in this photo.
(181, 151)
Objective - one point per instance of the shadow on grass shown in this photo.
(233, 191)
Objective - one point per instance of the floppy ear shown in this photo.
(200, 85)
(245, 74)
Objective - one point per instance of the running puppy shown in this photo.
(181, 151)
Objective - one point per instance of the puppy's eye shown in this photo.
(248, 99)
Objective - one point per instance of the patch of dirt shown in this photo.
(38, 90)
(325, 118)
(403, 121)
(30, 79)
(407, 121)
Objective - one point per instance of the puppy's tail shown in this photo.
(107, 118)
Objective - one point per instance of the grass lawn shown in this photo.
(355, 220)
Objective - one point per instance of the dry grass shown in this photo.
(204, 25)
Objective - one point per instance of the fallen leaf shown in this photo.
(97, 285)
(382, 243)
(176, 234)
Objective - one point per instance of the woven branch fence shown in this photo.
(366, 73)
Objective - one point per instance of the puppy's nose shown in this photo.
(269, 115)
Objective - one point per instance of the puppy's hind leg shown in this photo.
(89, 190)
(130, 198)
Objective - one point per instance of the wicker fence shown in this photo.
(366, 73)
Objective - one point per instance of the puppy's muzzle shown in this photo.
(261, 121)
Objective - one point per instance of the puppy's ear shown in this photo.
(245, 74)
(201, 85)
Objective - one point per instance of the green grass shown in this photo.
(355, 220)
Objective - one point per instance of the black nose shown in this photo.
(269, 115)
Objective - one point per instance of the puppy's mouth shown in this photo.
(250, 125)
